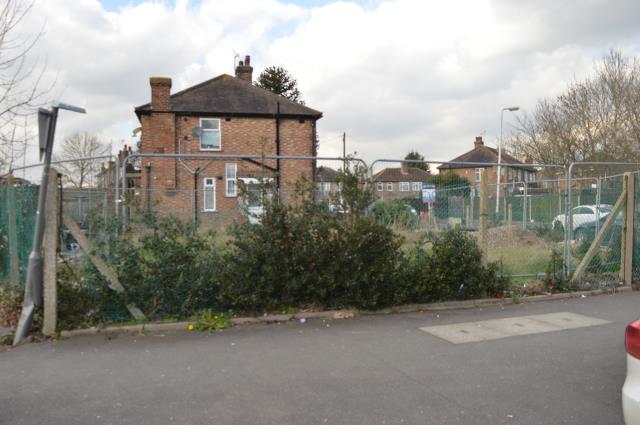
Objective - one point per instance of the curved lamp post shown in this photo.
(510, 109)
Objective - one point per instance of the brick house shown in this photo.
(225, 115)
(485, 154)
(326, 181)
(401, 182)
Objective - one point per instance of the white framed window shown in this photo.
(209, 194)
(405, 186)
(478, 174)
(326, 187)
(211, 136)
(231, 179)
(416, 186)
(380, 186)
(389, 187)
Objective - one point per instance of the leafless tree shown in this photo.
(597, 119)
(21, 91)
(76, 149)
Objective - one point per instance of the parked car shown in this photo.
(582, 214)
(631, 387)
(586, 231)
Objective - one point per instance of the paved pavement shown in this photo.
(368, 370)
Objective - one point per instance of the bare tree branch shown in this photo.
(21, 91)
(79, 171)
(597, 119)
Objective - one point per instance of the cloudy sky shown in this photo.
(394, 75)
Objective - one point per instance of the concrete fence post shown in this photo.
(483, 214)
(626, 256)
(50, 257)
(509, 215)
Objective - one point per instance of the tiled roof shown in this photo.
(481, 154)
(326, 174)
(227, 95)
(411, 174)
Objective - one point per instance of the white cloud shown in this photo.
(402, 75)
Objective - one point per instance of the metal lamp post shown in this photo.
(510, 109)
(33, 282)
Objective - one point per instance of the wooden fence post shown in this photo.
(50, 257)
(626, 250)
(483, 214)
(14, 258)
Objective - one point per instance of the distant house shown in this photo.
(484, 154)
(326, 180)
(107, 174)
(400, 182)
(224, 115)
(17, 181)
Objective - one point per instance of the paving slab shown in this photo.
(461, 333)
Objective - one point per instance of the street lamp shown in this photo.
(47, 120)
(510, 109)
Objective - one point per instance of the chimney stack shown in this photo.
(478, 143)
(160, 93)
(404, 168)
(244, 70)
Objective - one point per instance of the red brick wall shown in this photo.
(172, 184)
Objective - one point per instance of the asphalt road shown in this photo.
(367, 370)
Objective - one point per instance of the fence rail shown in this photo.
(534, 219)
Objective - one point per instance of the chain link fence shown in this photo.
(541, 222)
(18, 205)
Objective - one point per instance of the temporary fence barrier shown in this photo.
(536, 229)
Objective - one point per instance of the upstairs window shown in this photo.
(389, 187)
(478, 174)
(210, 137)
(416, 186)
(380, 187)
(404, 186)
(231, 186)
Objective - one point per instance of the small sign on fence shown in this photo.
(428, 193)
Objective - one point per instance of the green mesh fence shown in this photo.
(18, 205)
(590, 216)
(636, 231)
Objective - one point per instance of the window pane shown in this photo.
(209, 195)
(210, 124)
(210, 140)
(230, 170)
(231, 187)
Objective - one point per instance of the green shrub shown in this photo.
(397, 212)
(10, 306)
(302, 254)
(452, 269)
(208, 321)
(172, 270)
(554, 278)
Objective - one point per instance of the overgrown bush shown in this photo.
(10, 307)
(554, 278)
(451, 269)
(171, 270)
(301, 254)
